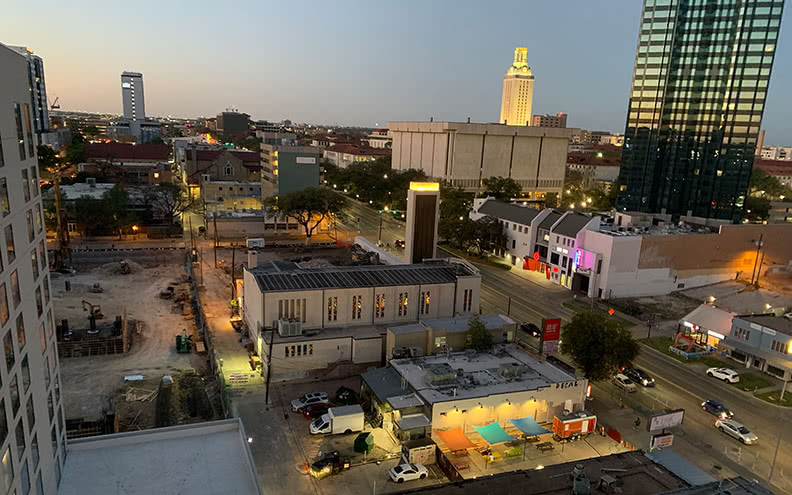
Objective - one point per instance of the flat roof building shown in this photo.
(465, 154)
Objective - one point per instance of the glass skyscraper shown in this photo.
(699, 86)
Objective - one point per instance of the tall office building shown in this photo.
(518, 84)
(32, 434)
(701, 78)
(38, 90)
(132, 95)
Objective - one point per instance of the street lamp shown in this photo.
(385, 176)
(387, 209)
(461, 218)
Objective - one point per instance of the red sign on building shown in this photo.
(551, 334)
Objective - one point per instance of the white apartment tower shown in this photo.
(38, 90)
(518, 86)
(132, 95)
(32, 434)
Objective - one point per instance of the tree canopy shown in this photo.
(374, 182)
(168, 200)
(308, 207)
(502, 188)
(478, 337)
(598, 344)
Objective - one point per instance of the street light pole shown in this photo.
(756, 260)
(379, 235)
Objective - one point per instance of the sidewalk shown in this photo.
(232, 354)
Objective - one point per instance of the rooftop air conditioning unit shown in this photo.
(289, 328)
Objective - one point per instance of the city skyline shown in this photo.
(443, 70)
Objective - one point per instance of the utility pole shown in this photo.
(200, 264)
(233, 274)
(214, 222)
(759, 271)
(649, 323)
(269, 366)
(379, 234)
(756, 260)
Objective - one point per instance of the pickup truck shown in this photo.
(344, 419)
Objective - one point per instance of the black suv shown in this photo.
(640, 376)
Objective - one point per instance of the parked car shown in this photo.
(640, 376)
(407, 472)
(399, 243)
(736, 430)
(624, 383)
(331, 463)
(716, 408)
(725, 374)
(315, 410)
(308, 399)
(531, 329)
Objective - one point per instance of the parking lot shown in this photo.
(281, 445)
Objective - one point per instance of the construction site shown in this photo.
(127, 342)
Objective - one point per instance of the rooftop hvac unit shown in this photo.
(289, 328)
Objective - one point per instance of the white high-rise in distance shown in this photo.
(518, 85)
(132, 95)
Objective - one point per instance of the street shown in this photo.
(678, 385)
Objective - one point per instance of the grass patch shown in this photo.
(774, 396)
(712, 362)
(750, 382)
(661, 344)
(581, 307)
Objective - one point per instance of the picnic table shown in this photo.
(462, 465)
(545, 446)
(513, 452)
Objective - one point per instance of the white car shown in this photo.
(407, 472)
(624, 383)
(725, 374)
(736, 430)
(298, 404)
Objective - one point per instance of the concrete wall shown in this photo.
(297, 360)
(541, 405)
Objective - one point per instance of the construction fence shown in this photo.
(215, 363)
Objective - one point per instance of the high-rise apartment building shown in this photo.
(38, 90)
(32, 429)
(558, 120)
(518, 85)
(701, 78)
(132, 95)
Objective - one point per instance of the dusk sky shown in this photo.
(350, 62)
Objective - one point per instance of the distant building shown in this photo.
(780, 169)
(132, 96)
(128, 164)
(595, 170)
(518, 86)
(780, 212)
(380, 138)
(558, 120)
(232, 123)
(287, 169)
(343, 155)
(586, 137)
(134, 131)
(777, 153)
(277, 138)
(466, 153)
(691, 135)
(38, 91)
(223, 179)
(32, 422)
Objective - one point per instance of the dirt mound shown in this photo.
(114, 268)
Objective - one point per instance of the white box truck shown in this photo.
(344, 419)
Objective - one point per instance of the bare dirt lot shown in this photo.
(92, 384)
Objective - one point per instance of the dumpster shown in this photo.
(364, 443)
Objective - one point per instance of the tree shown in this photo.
(502, 188)
(756, 209)
(157, 140)
(169, 200)
(75, 153)
(308, 207)
(489, 235)
(598, 344)
(90, 131)
(551, 200)
(47, 160)
(767, 186)
(117, 206)
(478, 337)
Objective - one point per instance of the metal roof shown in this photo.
(571, 224)
(347, 277)
(550, 219)
(507, 211)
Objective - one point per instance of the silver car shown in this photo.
(736, 430)
(298, 404)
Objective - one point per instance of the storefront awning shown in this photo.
(528, 426)
(455, 439)
(493, 433)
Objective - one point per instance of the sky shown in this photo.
(350, 62)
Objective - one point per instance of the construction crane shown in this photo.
(54, 105)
